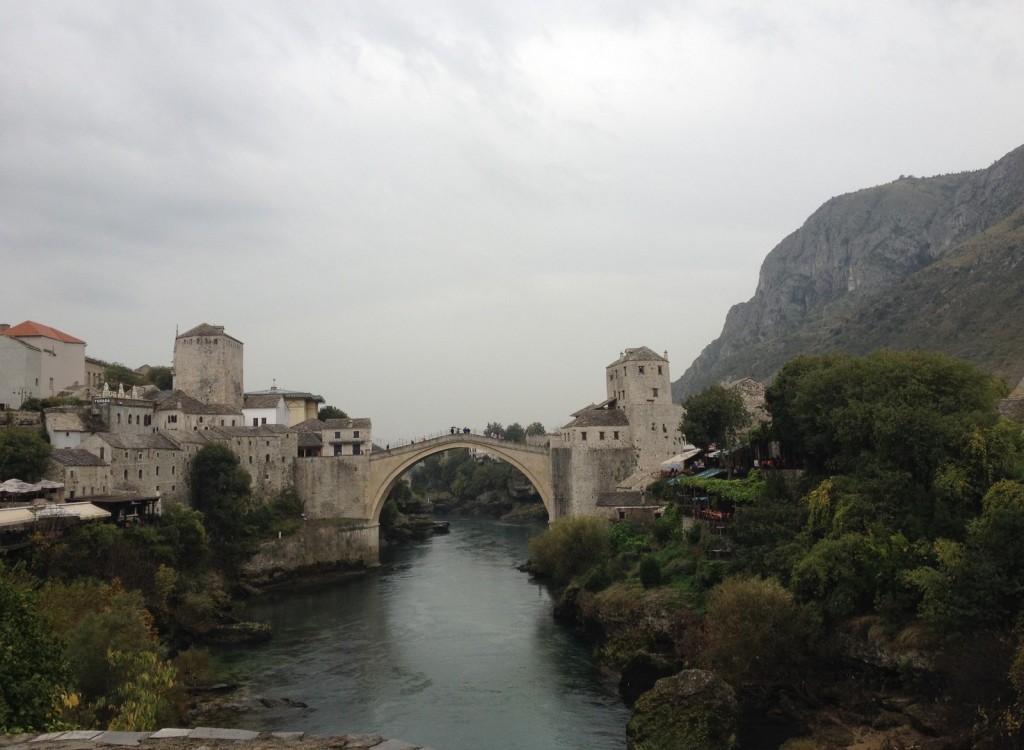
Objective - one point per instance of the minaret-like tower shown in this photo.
(208, 365)
(639, 376)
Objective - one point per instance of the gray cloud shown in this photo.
(458, 211)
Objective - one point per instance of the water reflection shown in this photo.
(449, 646)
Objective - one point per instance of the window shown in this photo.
(337, 435)
(102, 451)
(659, 369)
(263, 420)
(250, 459)
(172, 471)
(140, 473)
(255, 421)
(640, 369)
(355, 433)
(268, 458)
(158, 471)
(583, 436)
(600, 436)
(200, 420)
(126, 473)
(129, 419)
(615, 435)
(119, 417)
(655, 392)
(356, 449)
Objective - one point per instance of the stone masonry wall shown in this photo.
(317, 545)
(334, 486)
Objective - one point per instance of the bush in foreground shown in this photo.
(569, 547)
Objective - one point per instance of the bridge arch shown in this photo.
(387, 467)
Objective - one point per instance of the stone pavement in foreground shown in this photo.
(200, 738)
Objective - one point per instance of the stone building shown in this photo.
(208, 366)
(83, 474)
(619, 443)
(177, 411)
(267, 452)
(150, 464)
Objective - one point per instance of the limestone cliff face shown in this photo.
(854, 256)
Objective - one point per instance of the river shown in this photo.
(447, 645)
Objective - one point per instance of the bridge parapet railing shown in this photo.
(404, 445)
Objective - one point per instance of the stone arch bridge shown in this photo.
(388, 466)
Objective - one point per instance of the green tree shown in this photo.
(23, 455)
(116, 374)
(33, 670)
(161, 376)
(570, 546)
(535, 428)
(496, 429)
(757, 634)
(515, 433)
(330, 412)
(909, 411)
(220, 490)
(714, 415)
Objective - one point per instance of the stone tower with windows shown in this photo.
(208, 365)
(638, 383)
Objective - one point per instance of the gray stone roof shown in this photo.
(316, 425)
(600, 418)
(259, 401)
(76, 457)
(356, 423)
(241, 431)
(638, 354)
(628, 499)
(286, 394)
(66, 421)
(131, 441)
(310, 440)
(181, 401)
(205, 329)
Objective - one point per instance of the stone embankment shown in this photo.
(200, 738)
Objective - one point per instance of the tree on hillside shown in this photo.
(116, 374)
(909, 411)
(331, 412)
(713, 416)
(220, 489)
(161, 376)
(33, 670)
(515, 433)
(23, 455)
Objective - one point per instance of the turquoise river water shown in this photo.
(447, 645)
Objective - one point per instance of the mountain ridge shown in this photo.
(932, 263)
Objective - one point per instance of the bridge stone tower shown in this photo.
(619, 443)
(208, 365)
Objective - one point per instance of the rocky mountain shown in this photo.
(932, 263)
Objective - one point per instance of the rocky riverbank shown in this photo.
(652, 642)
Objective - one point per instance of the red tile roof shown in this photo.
(31, 328)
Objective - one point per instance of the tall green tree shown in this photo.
(161, 376)
(33, 670)
(116, 374)
(23, 455)
(220, 490)
(515, 433)
(535, 428)
(715, 415)
(331, 412)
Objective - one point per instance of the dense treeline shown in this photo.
(103, 626)
(903, 530)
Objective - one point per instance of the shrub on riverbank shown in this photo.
(570, 547)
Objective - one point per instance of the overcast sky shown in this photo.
(450, 212)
